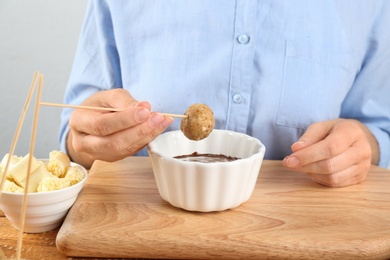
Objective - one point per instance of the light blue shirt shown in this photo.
(266, 68)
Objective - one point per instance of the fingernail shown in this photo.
(166, 122)
(299, 143)
(156, 119)
(291, 161)
(141, 114)
(141, 104)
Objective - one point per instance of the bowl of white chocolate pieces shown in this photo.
(204, 169)
(52, 188)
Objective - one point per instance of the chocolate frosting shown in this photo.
(206, 157)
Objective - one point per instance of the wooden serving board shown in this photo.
(120, 213)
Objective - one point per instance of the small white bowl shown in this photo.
(45, 211)
(206, 187)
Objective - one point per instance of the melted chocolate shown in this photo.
(206, 157)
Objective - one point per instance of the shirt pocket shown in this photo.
(315, 83)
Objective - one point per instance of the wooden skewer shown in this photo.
(82, 107)
(112, 109)
(32, 147)
(18, 128)
(174, 115)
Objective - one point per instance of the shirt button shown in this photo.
(237, 98)
(243, 39)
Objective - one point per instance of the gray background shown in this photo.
(39, 35)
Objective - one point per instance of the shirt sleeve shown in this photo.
(368, 100)
(96, 65)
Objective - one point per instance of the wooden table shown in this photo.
(120, 214)
(35, 246)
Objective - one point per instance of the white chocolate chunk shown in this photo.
(58, 163)
(10, 186)
(1, 173)
(14, 160)
(19, 170)
(57, 174)
(37, 173)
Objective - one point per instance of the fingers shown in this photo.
(330, 155)
(116, 98)
(324, 140)
(314, 133)
(328, 148)
(111, 136)
(350, 176)
(105, 123)
(122, 143)
(334, 153)
(329, 165)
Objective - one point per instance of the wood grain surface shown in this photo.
(35, 246)
(121, 214)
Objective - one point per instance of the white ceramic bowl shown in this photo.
(45, 211)
(205, 187)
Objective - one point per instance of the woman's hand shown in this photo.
(335, 153)
(112, 136)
